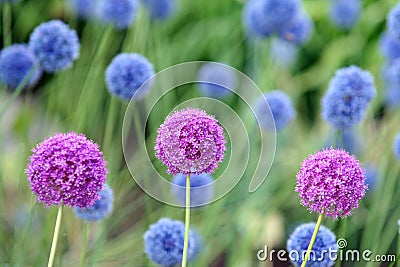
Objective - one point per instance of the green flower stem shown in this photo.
(55, 236)
(187, 222)
(84, 243)
(312, 241)
(7, 24)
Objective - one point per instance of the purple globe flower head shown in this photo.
(389, 46)
(283, 52)
(55, 45)
(16, 63)
(299, 30)
(331, 182)
(67, 169)
(164, 242)
(100, 209)
(347, 98)
(324, 248)
(345, 13)
(126, 74)
(120, 13)
(393, 21)
(190, 142)
(281, 107)
(215, 80)
(254, 21)
(200, 193)
(160, 9)
(83, 8)
(371, 176)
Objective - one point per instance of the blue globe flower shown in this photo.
(281, 107)
(324, 249)
(393, 21)
(389, 46)
(201, 189)
(299, 30)
(396, 146)
(55, 45)
(215, 80)
(126, 74)
(371, 176)
(254, 20)
(16, 63)
(100, 209)
(160, 9)
(345, 13)
(283, 52)
(120, 13)
(83, 8)
(164, 242)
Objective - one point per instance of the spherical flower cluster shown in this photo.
(159, 9)
(55, 45)
(16, 63)
(201, 191)
(164, 242)
(100, 209)
(120, 13)
(254, 21)
(216, 80)
(190, 141)
(389, 46)
(298, 30)
(331, 182)
(283, 52)
(345, 13)
(126, 74)
(281, 107)
(324, 248)
(67, 169)
(83, 8)
(347, 98)
(393, 21)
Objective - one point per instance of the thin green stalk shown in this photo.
(55, 237)
(84, 243)
(187, 222)
(312, 241)
(112, 110)
(7, 24)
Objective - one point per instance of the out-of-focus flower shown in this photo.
(393, 21)
(120, 13)
(389, 46)
(201, 191)
(345, 13)
(215, 80)
(299, 30)
(160, 9)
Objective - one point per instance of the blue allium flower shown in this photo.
(371, 176)
(324, 249)
(299, 30)
(120, 13)
(396, 146)
(345, 13)
(160, 9)
(389, 46)
(254, 19)
(55, 45)
(213, 74)
(125, 75)
(347, 98)
(83, 8)
(16, 62)
(347, 140)
(164, 242)
(283, 52)
(201, 189)
(100, 209)
(393, 21)
(281, 107)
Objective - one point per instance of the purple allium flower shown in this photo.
(190, 141)
(201, 191)
(283, 52)
(164, 242)
(126, 73)
(160, 9)
(347, 98)
(331, 182)
(389, 46)
(299, 30)
(218, 79)
(324, 248)
(120, 13)
(345, 13)
(67, 169)
(55, 45)
(281, 107)
(16, 62)
(83, 8)
(100, 209)
(393, 21)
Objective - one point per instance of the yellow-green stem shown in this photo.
(187, 222)
(84, 243)
(55, 237)
(312, 241)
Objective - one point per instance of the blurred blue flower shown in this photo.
(389, 46)
(100, 209)
(396, 146)
(371, 176)
(347, 140)
(160, 9)
(254, 20)
(16, 62)
(198, 244)
(393, 21)
(83, 8)
(282, 110)
(283, 52)
(324, 248)
(201, 189)
(211, 74)
(126, 74)
(391, 78)
(347, 98)
(345, 13)
(120, 13)
(55, 45)
(9, 1)
(164, 242)
(299, 30)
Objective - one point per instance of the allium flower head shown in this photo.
(393, 22)
(67, 169)
(283, 52)
(299, 30)
(160, 9)
(200, 194)
(100, 209)
(164, 242)
(347, 98)
(280, 12)
(254, 19)
(281, 107)
(16, 63)
(126, 73)
(120, 13)
(323, 249)
(190, 141)
(83, 8)
(331, 182)
(389, 46)
(218, 79)
(55, 45)
(345, 13)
